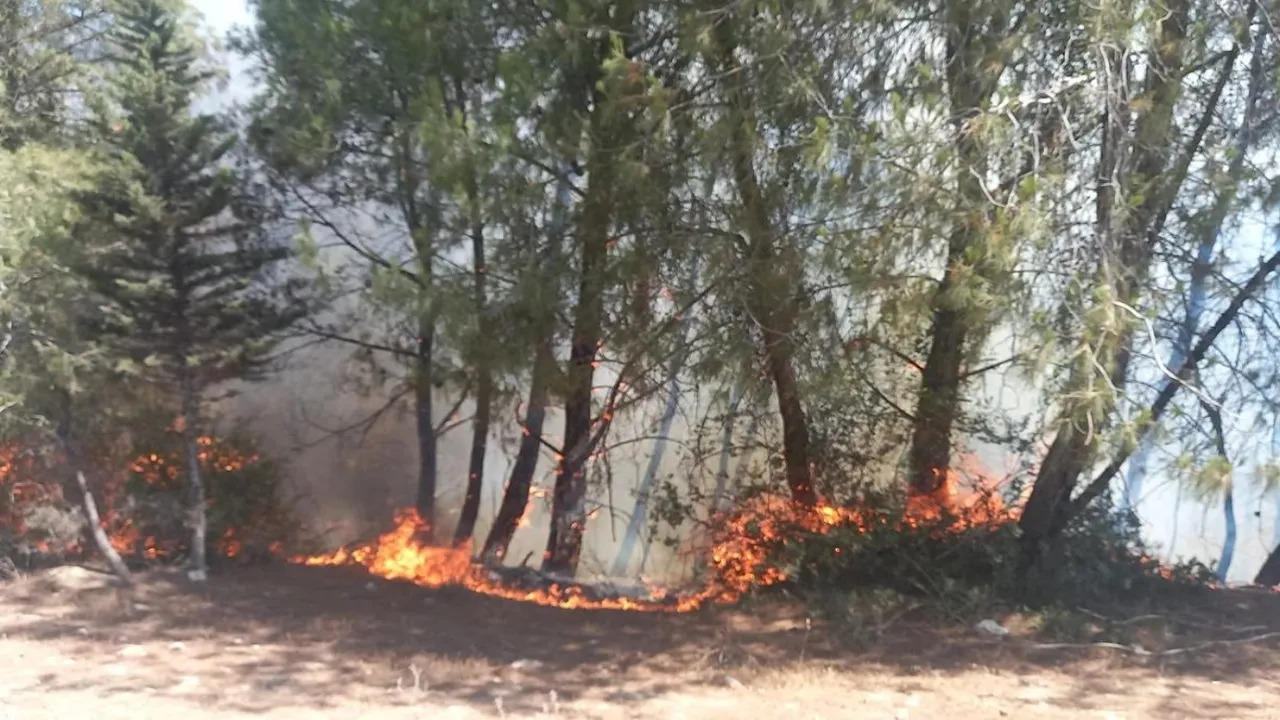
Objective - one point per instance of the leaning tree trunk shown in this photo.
(96, 531)
(515, 497)
(771, 299)
(1269, 575)
(719, 496)
(975, 61)
(640, 512)
(1203, 263)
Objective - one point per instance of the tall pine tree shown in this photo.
(178, 259)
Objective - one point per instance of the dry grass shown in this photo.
(285, 643)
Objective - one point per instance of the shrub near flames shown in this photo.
(140, 489)
(247, 518)
(963, 553)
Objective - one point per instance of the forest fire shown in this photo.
(738, 556)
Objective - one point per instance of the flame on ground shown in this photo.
(400, 554)
(738, 556)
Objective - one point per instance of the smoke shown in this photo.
(349, 461)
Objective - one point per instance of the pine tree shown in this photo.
(178, 262)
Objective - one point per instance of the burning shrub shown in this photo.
(246, 516)
(36, 521)
(143, 504)
(941, 548)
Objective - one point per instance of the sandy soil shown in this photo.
(288, 642)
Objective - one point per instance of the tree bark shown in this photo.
(975, 61)
(425, 426)
(640, 512)
(771, 300)
(719, 497)
(607, 126)
(199, 564)
(568, 514)
(1202, 265)
(96, 531)
(100, 539)
(1269, 574)
(1128, 244)
(1101, 482)
(463, 531)
(515, 497)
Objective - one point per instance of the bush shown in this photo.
(247, 519)
(963, 557)
(38, 523)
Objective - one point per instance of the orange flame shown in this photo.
(159, 471)
(400, 554)
(738, 557)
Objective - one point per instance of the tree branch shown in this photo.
(1100, 483)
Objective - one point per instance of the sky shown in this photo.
(220, 16)
(1179, 527)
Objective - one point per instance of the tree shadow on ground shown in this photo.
(253, 639)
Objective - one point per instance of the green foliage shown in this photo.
(830, 159)
(171, 246)
(45, 46)
(969, 566)
(41, 303)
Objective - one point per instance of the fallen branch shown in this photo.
(1143, 652)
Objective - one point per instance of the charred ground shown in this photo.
(287, 641)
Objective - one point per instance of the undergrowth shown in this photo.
(963, 568)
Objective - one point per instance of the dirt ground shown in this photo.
(286, 642)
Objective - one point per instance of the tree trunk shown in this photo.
(795, 427)
(1269, 574)
(568, 506)
(1203, 263)
(771, 299)
(463, 531)
(719, 497)
(425, 427)
(1229, 541)
(199, 565)
(640, 512)
(568, 514)
(515, 497)
(100, 539)
(96, 531)
(1228, 497)
(1127, 240)
(421, 222)
(749, 438)
(479, 447)
(975, 61)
